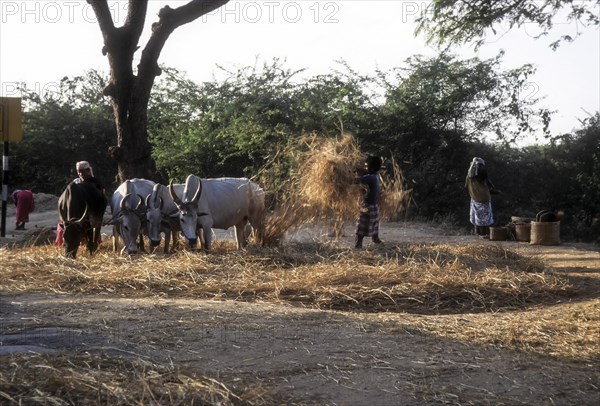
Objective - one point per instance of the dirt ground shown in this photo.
(316, 356)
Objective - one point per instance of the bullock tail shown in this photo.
(257, 211)
(258, 224)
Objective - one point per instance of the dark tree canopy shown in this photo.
(464, 21)
(425, 116)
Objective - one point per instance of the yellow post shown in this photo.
(10, 119)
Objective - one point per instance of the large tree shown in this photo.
(462, 21)
(129, 90)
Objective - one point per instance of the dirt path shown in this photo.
(320, 357)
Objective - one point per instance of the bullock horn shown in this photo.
(83, 216)
(140, 202)
(63, 213)
(63, 205)
(155, 197)
(157, 191)
(198, 192)
(124, 201)
(141, 208)
(151, 198)
(173, 195)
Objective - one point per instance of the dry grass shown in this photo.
(93, 380)
(416, 278)
(478, 294)
(327, 171)
(564, 330)
(497, 288)
(395, 198)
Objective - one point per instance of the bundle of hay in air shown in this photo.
(320, 185)
(328, 180)
(327, 174)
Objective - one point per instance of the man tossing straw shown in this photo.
(368, 218)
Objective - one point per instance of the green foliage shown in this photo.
(473, 98)
(576, 158)
(433, 116)
(61, 128)
(220, 129)
(233, 127)
(436, 114)
(464, 21)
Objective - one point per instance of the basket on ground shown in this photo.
(523, 232)
(498, 233)
(545, 233)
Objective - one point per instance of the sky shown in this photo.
(43, 41)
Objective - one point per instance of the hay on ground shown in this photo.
(488, 285)
(93, 379)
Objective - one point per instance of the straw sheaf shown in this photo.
(328, 173)
(320, 186)
(395, 198)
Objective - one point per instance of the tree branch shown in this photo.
(462, 21)
(136, 17)
(169, 20)
(107, 26)
(189, 12)
(103, 15)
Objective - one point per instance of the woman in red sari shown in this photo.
(23, 199)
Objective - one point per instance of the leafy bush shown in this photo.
(433, 116)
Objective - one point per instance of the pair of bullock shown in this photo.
(141, 206)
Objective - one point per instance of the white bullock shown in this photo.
(128, 213)
(219, 203)
(162, 216)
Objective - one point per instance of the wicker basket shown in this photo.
(498, 233)
(545, 233)
(520, 220)
(523, 232)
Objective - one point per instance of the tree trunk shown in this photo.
(130, 93)
(133, 151)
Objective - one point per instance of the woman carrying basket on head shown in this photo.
(480, 189)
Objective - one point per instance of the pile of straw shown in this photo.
(408, 277)
(471, 281)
